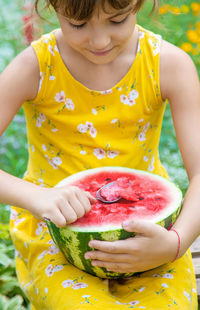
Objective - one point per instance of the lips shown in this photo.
(101, 53)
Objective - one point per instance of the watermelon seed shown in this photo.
(108, 179)
(141, 198)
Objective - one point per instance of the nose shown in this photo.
(99, 39)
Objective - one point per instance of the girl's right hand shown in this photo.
(62, 205)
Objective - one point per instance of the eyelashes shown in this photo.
(112, 22)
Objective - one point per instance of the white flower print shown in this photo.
(58, 268)
(105, 92)
(134, 303)
(130, 100)
(121, 303)
(13, 214)
(56, 48)
(46, 290)
(99, 153)
(145, 158)
(45, 41)
(69, 104)
(49, 270)
(156, 45)
(86, 296)
(141, 34)
(39, 230)
(82, 128)
(67, 283)
(18, 221)
(53, 250)
(138, 47)
(42, 254)
(52, 78)
(51, 242)
(50, 47)
(54, 162)
(33, 148)
(54, 129)
(40, 119)
(151, 165)
(142, 289)
(156, 275)
(168, 276)
(41, 80)
(142, 136)
(93, 132)
(112, 154)
(82, 152)
(79, 285)
(94, 111)
(187, 295)
(89, 125)
(60, 97)
(115, 120)
(164, 285)
(44, 147)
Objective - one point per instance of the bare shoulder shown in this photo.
(176, 69)
(19, 82)
(23, 74)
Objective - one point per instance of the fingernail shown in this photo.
(87, 256)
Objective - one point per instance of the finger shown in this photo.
(142, 227)
(58, 219)
(119, 267)
(85, 202)
(107, 257)
(90, 197)
(77, 206)
(68, 212)
(114, 247)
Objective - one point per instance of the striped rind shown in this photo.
(73, 241)
(74, 245)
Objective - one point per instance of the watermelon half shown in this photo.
(145, 196)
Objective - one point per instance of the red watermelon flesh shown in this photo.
(143, 197)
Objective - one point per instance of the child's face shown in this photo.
(102, 38)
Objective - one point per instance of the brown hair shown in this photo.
(83, 9)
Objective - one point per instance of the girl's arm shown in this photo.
(19, 83)
(180, 84)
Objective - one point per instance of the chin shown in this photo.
(100, 60)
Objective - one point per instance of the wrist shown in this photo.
(178, 247)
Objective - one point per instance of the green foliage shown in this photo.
(11, 295)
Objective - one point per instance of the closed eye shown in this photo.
(78, 26)
(119, 22)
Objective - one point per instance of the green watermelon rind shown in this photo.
(74, 243)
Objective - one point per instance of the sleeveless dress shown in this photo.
(72, 128)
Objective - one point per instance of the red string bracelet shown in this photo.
(179, 243)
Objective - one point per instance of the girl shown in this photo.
(94, 95)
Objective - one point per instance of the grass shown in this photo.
(178, 23)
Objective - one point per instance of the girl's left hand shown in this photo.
(152, 246)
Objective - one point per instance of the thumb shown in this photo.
(90, 197)
(142, 227)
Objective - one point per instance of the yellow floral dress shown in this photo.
(72, 128)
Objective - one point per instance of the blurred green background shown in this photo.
(177, 21)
